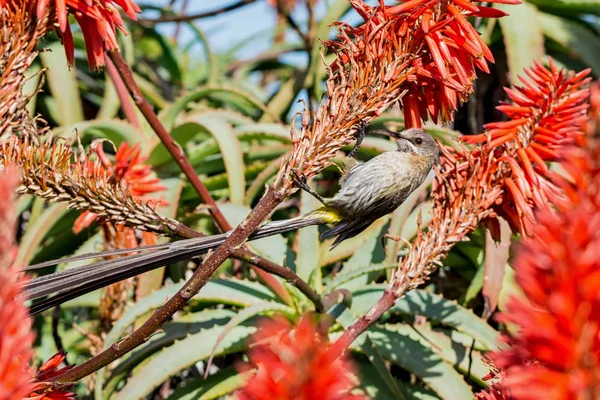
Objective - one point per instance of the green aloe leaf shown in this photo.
(432, 306)
(182, 354)
(66, 101)
(117, 131)
(523, 38)
(215, 386)
(569, 7)
(231, 150)
(405, 350)
(349, 246)
(169, 116)
(36, 232)
(350, 274)
(573, 37)
(230, 291)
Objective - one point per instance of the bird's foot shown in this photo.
(359, 135)
(301, 182)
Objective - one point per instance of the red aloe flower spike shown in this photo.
(546, 115)
(489, 12)
(467, 5)
(16, 337)
(296, 363)
(403, 53)
(556, 349)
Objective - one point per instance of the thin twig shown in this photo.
(191, 17)
(184, 6)
(55, 334)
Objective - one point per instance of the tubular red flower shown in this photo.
(98, 19)
(43, 387)
(296, 363)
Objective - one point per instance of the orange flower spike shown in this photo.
(519, 98)
(544, 152)
(296, 363)
(412, 118)
(451, 100)
(534, 157)
(523, 208)
(471, 34)
(558, 272)
(43, 387)
(512, 110)
(507, 124)
(501, 140)
(128, 168)
(98, 20)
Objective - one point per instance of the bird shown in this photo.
(368, 191)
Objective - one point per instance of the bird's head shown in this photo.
(414, 140)
(418, 141)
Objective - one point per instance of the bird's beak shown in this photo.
(383, 131)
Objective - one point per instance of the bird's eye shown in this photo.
(418, 140)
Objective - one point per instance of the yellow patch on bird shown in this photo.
(328, 215)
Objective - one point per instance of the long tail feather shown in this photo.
(59, 287)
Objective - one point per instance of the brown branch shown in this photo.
(183, 162)
(184, 7)
(387, 301)
(191, 17)
(201, 276)
(243, 254)
(124, 98)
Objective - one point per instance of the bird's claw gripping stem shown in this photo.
(359, 135)
(300, 181)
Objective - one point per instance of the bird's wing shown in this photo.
(349, 168)
(352, 227)
(375, 179)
